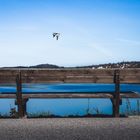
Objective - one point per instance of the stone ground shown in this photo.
(70, 129)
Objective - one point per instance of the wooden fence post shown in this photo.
(25, 106)
(19, 95)
(116, 99)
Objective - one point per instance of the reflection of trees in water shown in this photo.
(138, 107)
(93, 110)
(129, 110)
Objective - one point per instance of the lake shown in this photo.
(65, 107)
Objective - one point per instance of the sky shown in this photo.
(91, 32)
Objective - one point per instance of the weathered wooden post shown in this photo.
(24, 101)
(19, 95)
(116, 100)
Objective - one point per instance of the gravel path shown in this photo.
(70, 129)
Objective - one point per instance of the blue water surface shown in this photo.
(66, 107)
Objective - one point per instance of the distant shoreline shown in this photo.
(121, 65)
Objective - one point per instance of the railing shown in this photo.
(115, 76)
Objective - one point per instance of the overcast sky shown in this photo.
(91, 32)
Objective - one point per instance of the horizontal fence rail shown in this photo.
(35, 75)
(69, 75)
(69, 95)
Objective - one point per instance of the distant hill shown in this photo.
(45, 66)
(122, 65)
(38, 66)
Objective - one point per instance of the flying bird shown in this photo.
(56, 35)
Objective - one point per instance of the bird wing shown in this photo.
(57, 37)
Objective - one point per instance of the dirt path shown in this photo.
(70, 129)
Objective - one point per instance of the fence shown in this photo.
(116, 76)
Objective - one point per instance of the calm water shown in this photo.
(68, 106)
